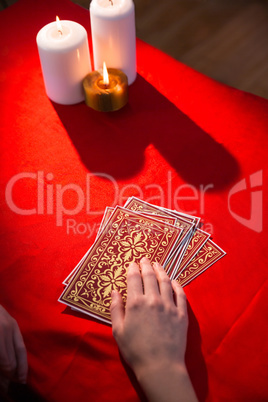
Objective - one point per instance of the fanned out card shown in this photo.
(208, 255)
(187, 217)
(164, 218)
(126, 237)
(127, 234)
(194, 244)
(197, 241)
(108, 212)
(186, 222)
(135, 204)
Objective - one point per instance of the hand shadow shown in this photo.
(194, 359)
(114, 143)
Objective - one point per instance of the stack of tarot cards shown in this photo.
(127, 234)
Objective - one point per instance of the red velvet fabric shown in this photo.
(179, 128)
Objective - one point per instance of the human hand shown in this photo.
(13, 355)
(151, 332)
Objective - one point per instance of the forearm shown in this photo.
(168, 384)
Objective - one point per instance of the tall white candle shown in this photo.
(114, 35)
(65, 61)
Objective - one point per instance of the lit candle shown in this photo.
(64, 56)
(106, 90)
(114, 35)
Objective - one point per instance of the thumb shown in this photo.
(117, 312)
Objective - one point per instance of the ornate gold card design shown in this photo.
(186, 223)
(208, 255)
(135, 204)
(127, 237)
(196, 243)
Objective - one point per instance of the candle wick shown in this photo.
(111, 1)
(60, 32)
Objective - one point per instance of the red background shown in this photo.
(178, 128)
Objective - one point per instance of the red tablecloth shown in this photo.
(181, 135)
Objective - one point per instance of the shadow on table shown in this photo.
(194, 359)
(78, 314)
(114, 143)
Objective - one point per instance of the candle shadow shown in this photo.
(114, 143)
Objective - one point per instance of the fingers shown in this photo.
(117, 312)
(134, 281)
(180, 298)
(164, 282)
(21, 355)
(148, 276)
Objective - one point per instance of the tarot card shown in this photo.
(128, 236)
(207, 256)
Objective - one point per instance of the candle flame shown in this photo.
(59, 26)
(105, 74)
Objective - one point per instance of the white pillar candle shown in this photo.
(65, 61)
(114, 35)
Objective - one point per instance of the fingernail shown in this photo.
(144, 259)
(131, 265)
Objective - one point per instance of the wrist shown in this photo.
(159, 369)
(169, 382)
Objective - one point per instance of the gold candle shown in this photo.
(106, 92)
